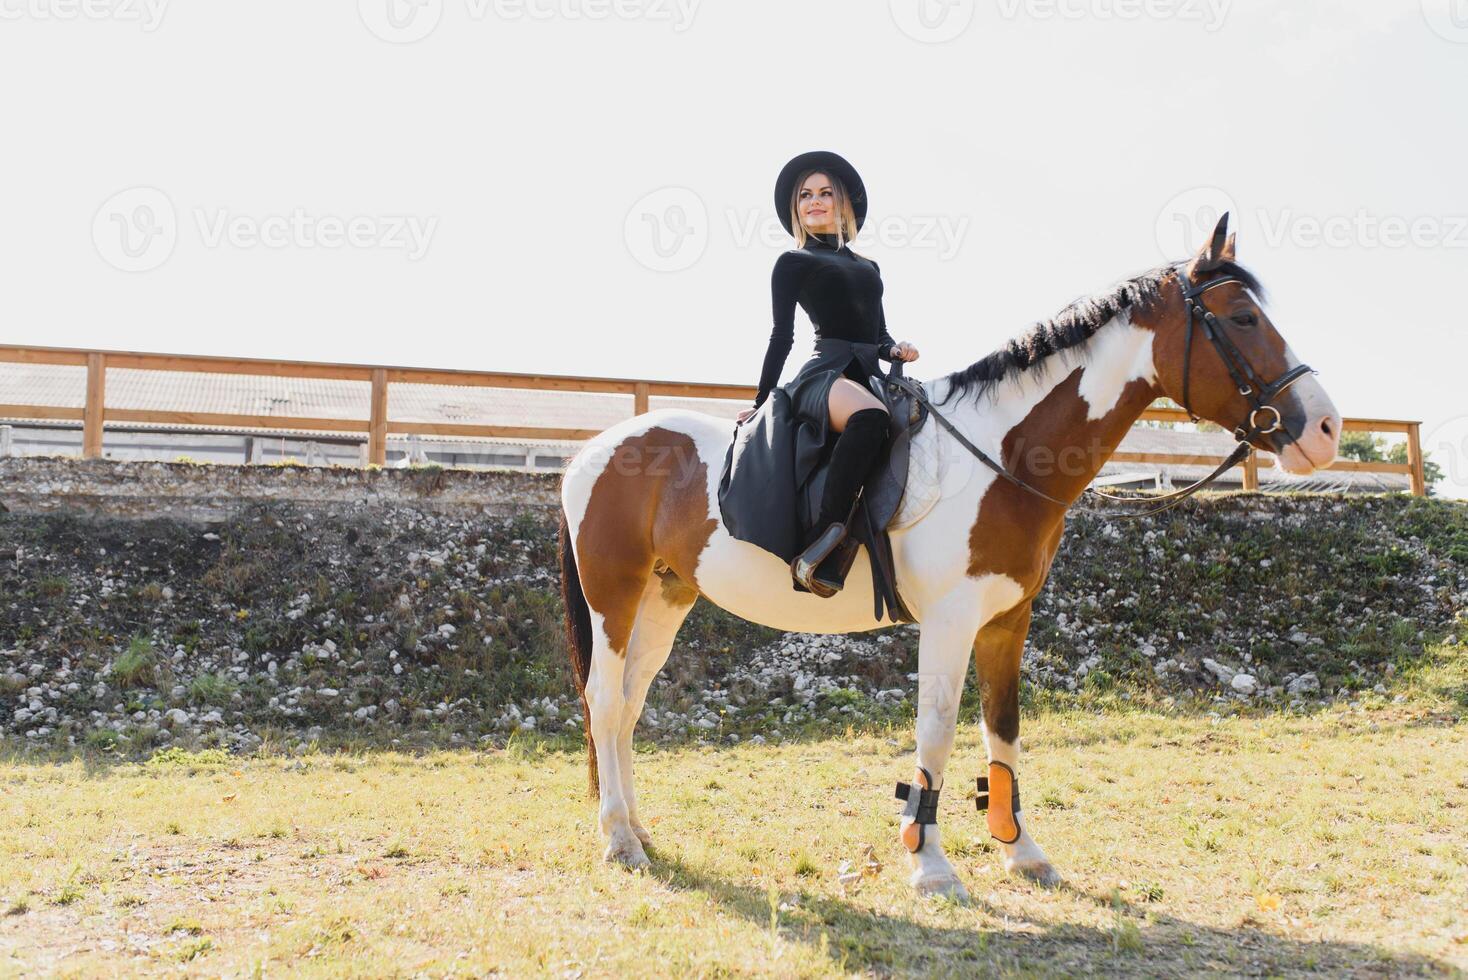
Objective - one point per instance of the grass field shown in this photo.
(1334, 843)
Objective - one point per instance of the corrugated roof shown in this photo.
(55, 386)
(65, 386)
(1272, 477)
(183, 391)
(1147, 439)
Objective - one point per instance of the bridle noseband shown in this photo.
(1246, 379)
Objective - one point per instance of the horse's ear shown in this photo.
(1212, 253)
(1230, 248)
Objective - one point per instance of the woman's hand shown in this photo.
(744, 415)
(904, 352)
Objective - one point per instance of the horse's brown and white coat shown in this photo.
(971, 551)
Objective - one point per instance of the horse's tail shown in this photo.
(578, 638)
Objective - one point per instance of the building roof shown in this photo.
(185, 391)
(1186, 441)
(65, 386)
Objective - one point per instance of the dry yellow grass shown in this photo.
(1332, 844)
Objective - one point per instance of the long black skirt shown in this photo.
(766, 495)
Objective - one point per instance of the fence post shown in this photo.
(5, 436)
(377, 424)
(1418, 475)
(96, 399)
(1251, 472)
(640, 398)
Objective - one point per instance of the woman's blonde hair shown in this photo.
(845, 213)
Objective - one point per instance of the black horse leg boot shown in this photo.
(852, 459)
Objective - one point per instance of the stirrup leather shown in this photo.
(1003, 786)
(921, 810)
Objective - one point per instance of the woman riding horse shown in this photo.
(642, 536)
(822, 201)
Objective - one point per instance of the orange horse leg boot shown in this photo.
(999, 794)
(921, 809)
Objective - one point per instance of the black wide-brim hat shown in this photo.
(828, 162)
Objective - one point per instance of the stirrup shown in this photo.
(921, 809)
(803, 565)
(832, 571)
(822, 567)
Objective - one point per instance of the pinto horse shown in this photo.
(641, 537)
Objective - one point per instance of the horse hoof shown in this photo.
(628, 854)
(1042, 873)
(946, 886)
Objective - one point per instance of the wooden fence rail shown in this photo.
(378, 426)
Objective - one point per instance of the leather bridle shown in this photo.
(1260, 395)
(1245, 378)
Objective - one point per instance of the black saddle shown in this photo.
(770, 496)
(881, 495)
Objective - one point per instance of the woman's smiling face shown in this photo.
(817, 204)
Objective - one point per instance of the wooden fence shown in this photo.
(377, 425)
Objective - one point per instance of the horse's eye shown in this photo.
(1246, 319)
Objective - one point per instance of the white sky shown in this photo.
(536, 148)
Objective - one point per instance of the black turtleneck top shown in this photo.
(839, 290)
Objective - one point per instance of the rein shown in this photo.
(1240, 370)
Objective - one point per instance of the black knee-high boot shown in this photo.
(822, 567)
(851, 462)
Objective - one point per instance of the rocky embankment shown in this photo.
(423, 608)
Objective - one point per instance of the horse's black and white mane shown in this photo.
(1070, 329)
